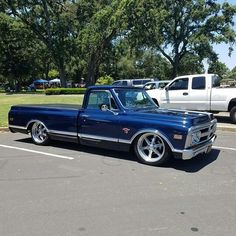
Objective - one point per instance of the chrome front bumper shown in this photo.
(204, 148)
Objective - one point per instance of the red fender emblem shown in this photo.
(126, 130)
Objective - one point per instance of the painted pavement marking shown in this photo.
(225, 148)
(37, 152)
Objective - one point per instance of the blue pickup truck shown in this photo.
(119, 118)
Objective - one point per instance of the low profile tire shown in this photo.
(233, 115)
(151, 149)
(39, 133)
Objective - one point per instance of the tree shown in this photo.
(52, 22)
(177, 28)
(217, 67)
(232, 74)
(19, 51)
(99, 23)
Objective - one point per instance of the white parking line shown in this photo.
(33, 151)
(226, 148)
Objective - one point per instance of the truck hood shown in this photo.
(174, 116)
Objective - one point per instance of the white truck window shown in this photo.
(179, 84)
(199, 82)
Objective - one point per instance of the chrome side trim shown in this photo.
(96, 137)
(52, 131)
(17, 127)
(58, 132)
(124, 141)
(62, 133)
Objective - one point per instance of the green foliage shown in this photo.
(121, 38)
(18, 50)
(177, 28)
(105, 80)
(52, 22)
(53, 74)
(217, 67)
(59, 91)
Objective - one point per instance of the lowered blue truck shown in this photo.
(119, 118)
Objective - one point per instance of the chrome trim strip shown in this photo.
(125, 141)
(62, 133)
(97, 137)
(17, 127)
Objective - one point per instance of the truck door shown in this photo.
(199, 94)
(176, 95)
(97, 126)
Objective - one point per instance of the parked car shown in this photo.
(119, 118)
(200, 92)
(132, 82)
(156, 84)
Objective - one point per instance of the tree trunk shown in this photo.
(91, 70)
(62, 75)
(175, 67)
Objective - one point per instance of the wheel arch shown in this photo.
(30, 124)
(159, 133)
(232, 104)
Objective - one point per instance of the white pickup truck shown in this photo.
(198, 92)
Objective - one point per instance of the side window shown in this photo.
(124, 83)
(150, 86)
(97, 98)
(179, 84)
(199, 82)
(137, 82)
(215, 81)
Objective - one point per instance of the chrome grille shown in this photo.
(207, 132)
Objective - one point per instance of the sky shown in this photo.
(222, 49)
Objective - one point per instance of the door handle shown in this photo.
(185, 94)
(84, 116)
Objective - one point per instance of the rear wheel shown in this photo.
(151, 149)
(39, 133)
(233, 115)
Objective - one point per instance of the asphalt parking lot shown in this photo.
(64, 189)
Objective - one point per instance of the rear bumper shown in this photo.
(187, 154)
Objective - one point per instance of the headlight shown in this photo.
(196, 136)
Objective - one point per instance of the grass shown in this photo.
(6, 101)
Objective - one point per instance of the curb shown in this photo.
(4, 129)
(230, 128)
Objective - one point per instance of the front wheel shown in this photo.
(39, 133)
(152, 149)
(233, 115)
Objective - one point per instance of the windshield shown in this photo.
(134, 98)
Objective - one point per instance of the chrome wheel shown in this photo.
(151, 149)
(39, 133)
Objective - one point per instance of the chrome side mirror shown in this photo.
(104, 107)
